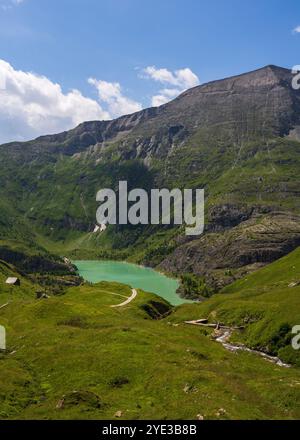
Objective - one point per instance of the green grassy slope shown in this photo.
(266, 302)
(48, 202)
(74, 356)
(53, 198)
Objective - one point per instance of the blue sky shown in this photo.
(123, 55)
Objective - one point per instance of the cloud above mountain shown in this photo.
(183, 78)
(110, 93)
(31, 105)
(177, 82)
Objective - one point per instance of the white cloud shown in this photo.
(32, 105)
(111, 94)
(183, 78)
(8, 4)
(296, 30)
(164, 96)
(179, 80)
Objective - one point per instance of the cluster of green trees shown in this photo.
(194, 286)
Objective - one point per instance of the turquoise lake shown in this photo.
(127, 273)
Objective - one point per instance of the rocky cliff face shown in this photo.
(258, 239)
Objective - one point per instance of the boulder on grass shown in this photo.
(75, 398)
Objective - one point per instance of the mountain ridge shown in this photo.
(103, 130)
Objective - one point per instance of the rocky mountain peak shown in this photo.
(253, 104)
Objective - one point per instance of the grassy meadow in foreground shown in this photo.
(75, 357)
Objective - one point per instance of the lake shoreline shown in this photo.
(135, 275)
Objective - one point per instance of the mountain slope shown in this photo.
(261, 103)
(69, 354)
(237, 138)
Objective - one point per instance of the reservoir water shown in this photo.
(127, 273)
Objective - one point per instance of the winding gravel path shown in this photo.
(128, 300)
